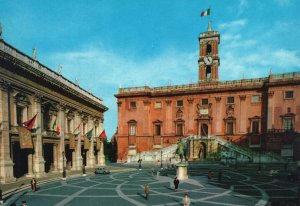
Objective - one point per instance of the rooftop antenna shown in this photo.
(209, 26)
(120, 86)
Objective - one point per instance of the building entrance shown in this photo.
(48, 156)
(20, 159)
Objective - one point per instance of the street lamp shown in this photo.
(161, 166)
(83, 166)
(64, 169)
(1, 199)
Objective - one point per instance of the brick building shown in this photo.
(257, 113)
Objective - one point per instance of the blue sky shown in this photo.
(108, 43)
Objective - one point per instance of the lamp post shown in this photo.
(64, 169)
(259, 160)
(161, 165)
(84, 163)
(1, 199)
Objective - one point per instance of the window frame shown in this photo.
(180, 100)
(204, 102)
(229, 98)
(289, 92)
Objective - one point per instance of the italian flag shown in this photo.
(205, 13)
(55, 127)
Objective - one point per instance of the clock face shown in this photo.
(208, 60)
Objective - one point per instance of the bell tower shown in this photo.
(209, 60)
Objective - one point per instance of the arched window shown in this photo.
(208, 49)
(208, 72)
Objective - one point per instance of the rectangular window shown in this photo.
(287, 124)
(132, 130)
(157, 105)
(204, 101)
(179, 130)
(157, 130)
(179, 103)
(255, 98)
(69, 126)
(230, 128)
(132, 105)
(20, 116)
(230, 100)
(84, 128)
(255, 126)
(289, 94)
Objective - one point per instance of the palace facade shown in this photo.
(28, 88)
(261, 113)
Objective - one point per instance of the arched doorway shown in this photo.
(204, 130)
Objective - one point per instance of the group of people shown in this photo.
(186, 199)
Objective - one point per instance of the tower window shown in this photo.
(289, 95)
(133, 105)
(179, 103)
(208, 72)
(287, 123)
(204, 101)
(157, 129)
(230, 100)
(289, 110)
(208, 49)
(132, 129)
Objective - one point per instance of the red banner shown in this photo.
(25, 138)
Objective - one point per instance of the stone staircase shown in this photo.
(167, 154)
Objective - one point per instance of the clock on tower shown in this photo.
(209, 60)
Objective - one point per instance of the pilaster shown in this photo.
(38, 159)
(91, 156)
(6, 163)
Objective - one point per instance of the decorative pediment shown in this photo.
(132, 121)
(230, 110)
(157, 121)
(179, 114)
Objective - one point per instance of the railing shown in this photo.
(49, 73)
(214, 85)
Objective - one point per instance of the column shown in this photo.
(190, 121)
(73, 160)
(243, 114)
(30, 165)
(78, 162)
(100, 155)
(6, 164)
(61, 123)
(218, 111)
(55, 158)
(91, 156)
(38, 159)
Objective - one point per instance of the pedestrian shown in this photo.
(157, 175)
(176, 183)
(147, 191)
(24, 203)
(220, 175)
(186, 200)
(209, 175)
(33, 184)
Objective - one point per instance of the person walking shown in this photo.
(147, 191)
(209, 175)
(186, 200)
(176, 183)
(33, 184)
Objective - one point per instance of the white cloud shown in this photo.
(233, 24)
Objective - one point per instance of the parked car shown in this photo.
(101, 170)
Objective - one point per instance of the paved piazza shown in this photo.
(238, 187)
